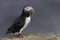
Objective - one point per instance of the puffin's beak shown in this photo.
(33, 10)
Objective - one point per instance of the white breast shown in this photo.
(27, 21)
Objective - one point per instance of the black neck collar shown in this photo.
(25, 14)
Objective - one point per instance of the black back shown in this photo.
(18, 23)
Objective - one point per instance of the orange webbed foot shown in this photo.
(21, 36)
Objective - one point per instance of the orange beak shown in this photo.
(33, 10)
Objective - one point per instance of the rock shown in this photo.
(32, 36)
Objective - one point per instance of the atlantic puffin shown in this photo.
(21, 22)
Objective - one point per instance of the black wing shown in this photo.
(17, 25)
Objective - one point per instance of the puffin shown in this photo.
(21, 22)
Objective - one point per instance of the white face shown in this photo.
(28, 8)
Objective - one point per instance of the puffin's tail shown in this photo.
(9, 29)
(7, 32)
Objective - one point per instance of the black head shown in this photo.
(28, 9)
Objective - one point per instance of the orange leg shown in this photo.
(21, 36)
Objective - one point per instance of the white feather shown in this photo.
(28, 8)
(27, 21)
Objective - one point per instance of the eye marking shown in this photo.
(28, 8)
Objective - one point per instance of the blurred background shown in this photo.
(45, 20)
